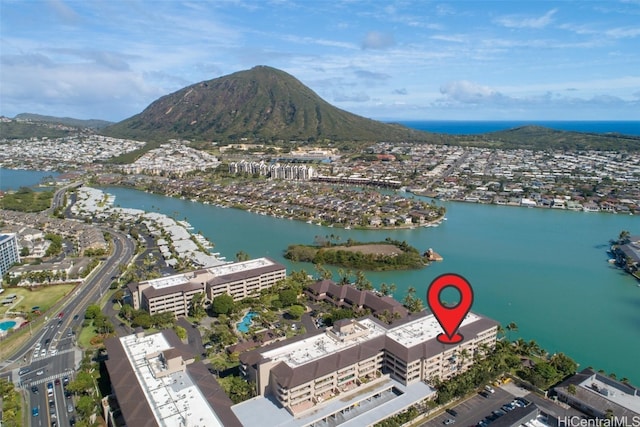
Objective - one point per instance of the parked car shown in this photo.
(489, 389)
(452, 412)
(69, 408)
(448, 421)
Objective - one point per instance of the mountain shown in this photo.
(262, 103)
(68, 121)
(542, 138)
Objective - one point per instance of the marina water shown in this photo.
(544, 269)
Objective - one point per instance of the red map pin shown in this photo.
(450, 318)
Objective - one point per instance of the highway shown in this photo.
(50, 354)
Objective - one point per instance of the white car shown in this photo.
(43, 352)
(40, 372)
(53, 351)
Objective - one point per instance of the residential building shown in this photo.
(156, 382)
(355, 355)
(600, 396)
(350, 297)
(244, 279)
(9, 253)
(174, 293)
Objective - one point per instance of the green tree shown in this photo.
(180, 332)
(288, 297)
(223, 304)
(296, 311)
(92, 311)
(411, 301)
(623, 237)
(118, 296)
(196, 306)
(143, 320)
(85, 406)
(83, 383)
(362, 282)
(242, 256)
(511, 327)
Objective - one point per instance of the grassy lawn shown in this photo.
(84, 339)
(42, 296)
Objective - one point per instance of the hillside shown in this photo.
(68, 121)
(262, 103)
(541, 138)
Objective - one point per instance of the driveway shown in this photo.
(193, 336)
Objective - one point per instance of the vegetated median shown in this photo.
(370, 256)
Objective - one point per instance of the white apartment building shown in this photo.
(304, 374)
(9, 253)
(238, 279)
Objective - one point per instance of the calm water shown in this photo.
(12, 179)
(477, 127)
(544, 269)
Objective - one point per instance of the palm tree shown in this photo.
(511, 327)
(520, 347)
(534, 349)
(623, 237)
(500, 332)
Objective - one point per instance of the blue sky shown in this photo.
(387, 60)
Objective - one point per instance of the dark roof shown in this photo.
(135, 408)
(517, 417)
(367, 299)
(593, 398)
(214, 394)
(292, 377)
(175, 342)
(133, 404)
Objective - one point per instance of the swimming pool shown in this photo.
(246, 321)
(7, 324)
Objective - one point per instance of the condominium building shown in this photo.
(174, 293)
(353, 355)
(600, 396)
(157, 382)
(9, 253)
(243, 279)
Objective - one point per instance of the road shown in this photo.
(51, 353)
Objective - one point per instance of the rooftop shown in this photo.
(174, 400)
(222, 270)
(625, 396)
(166, 282)
(422, 329)
(318, 346)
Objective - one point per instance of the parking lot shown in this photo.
(472, 410)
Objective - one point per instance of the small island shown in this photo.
(366, 256)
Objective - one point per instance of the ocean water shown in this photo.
(477, 127)
(544, 269)
(12, 179)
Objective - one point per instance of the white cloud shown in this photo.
(377, 40)
(469, 93)
(517, 21)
